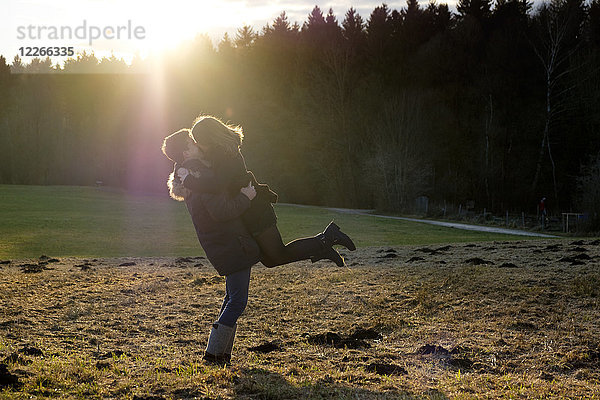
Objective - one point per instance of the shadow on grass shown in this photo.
(259, 383)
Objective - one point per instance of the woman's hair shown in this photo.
(175, 144)
(216, 135)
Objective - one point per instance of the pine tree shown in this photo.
(353, 27)
(17, 65)
(315, 18)
(225, 45)
(379, 27)
(414, 31)
(438, 16)
(480, 10)
(281, 25)
(245, 37)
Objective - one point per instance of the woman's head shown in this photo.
(178, 146)
(212, 134)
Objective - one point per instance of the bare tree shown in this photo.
(557, 26)
(397, 167)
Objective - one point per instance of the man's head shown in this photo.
(180, 146)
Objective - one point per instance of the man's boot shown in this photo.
(217, 343)
(229, 348)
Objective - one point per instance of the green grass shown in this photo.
(92, 222)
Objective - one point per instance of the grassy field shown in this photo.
(92, 222)
(510, 320)
(122, 309)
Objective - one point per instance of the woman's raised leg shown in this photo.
(275, 253)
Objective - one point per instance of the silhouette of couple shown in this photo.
(234, 219)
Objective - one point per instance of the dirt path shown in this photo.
(456, 225)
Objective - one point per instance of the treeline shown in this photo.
(495, 104)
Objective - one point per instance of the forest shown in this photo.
(494, 106)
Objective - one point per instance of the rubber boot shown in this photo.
(329, 253)
(218, 341)
(332, 235)
(229, 348)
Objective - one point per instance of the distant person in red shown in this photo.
(543, 207)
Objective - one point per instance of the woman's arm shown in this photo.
(223, 207)
(198, 178)
(233, 170)
(262, 188)
(212, 189)
(203, 184)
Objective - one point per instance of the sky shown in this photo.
(127, 27)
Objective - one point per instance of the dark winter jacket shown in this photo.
(230, 176)
(232, 171)
(216, 217)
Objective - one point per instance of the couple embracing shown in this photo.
(234, 219)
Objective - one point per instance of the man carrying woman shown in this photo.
(234, 219)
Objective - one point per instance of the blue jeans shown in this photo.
(236, 297)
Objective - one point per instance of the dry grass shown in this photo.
(518, 320)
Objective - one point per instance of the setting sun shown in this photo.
(165, 25)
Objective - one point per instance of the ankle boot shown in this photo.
(217, 343)
(229, 348)
(329, 253)
(332, 235)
